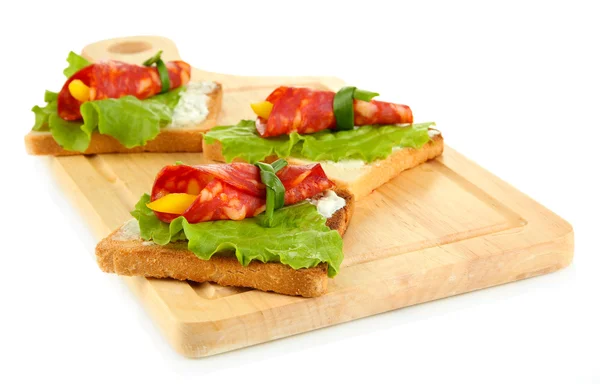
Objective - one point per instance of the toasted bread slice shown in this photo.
(359, 178)
(123, 252)
(170, 139)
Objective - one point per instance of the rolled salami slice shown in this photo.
(115, 79)
(233, 191)
(305, 110)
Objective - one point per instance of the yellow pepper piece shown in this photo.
(262, 109)
(79, 91)
(175, 203)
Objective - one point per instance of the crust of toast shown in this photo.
(125, 253)
(374, 175)
(369, 177)
(168, 140)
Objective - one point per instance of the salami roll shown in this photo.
(115, 79)
(233, 191)
(304, 110)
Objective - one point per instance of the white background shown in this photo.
(514, 86)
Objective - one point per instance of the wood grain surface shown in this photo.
(441, 229)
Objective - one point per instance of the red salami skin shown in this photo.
(303, 182)
(304, 110)
(233, 191)
(115, 79)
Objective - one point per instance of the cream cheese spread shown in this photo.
(328, 204)
(192, 108)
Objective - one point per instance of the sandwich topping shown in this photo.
(112, 79)
(303, 110)
(192, 108)
(219, 208)
(315, 125)
(227, 191)
(328, 204)
(368, 144)
(131, 103)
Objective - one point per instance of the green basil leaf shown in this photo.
(361, 94)
(275, 189)
(163, 72)
(152, 60)
(343, 108)
(278, 165)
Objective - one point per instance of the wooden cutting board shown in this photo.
(441, 229)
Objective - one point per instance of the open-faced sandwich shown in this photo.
(112, 106)
(360, 143)
(271, 227)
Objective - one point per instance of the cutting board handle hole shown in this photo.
(130, 47)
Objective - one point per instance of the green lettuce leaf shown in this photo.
(368, 143)
(42, 114)
(68, 134)
(50, 96)
(76, 63)
(131, 121)
(242, 140)
(298, 238)
(153, 229)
